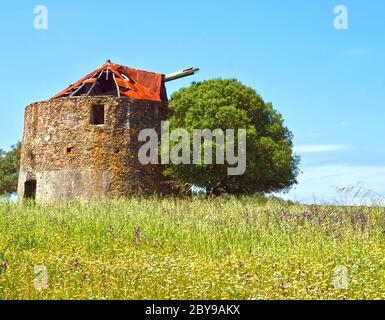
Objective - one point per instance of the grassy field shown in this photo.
(191, 249)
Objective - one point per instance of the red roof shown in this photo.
(118, 80)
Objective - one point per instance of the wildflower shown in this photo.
(137, 235)
(74, 263)
(4, 265)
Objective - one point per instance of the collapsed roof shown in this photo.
(117, 80)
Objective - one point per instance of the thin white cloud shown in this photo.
(311, 135)
(355, 52)
(318, 148)
(346, 123)
(319, 184)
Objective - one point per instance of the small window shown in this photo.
(97, 114)
(30, 189)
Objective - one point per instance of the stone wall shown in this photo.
(70, 158)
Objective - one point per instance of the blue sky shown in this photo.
(328, 84)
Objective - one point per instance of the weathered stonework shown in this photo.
(67, 157)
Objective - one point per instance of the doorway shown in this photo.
(30, 189)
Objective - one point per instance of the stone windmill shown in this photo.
(83, 143)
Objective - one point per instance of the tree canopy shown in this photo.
(9, 169)
(271, 164)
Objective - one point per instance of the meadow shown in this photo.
(220, 248)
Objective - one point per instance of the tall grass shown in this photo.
(246, 248)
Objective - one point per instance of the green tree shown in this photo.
(227, 104)
(9, 169)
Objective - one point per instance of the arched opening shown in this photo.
(30, 189)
